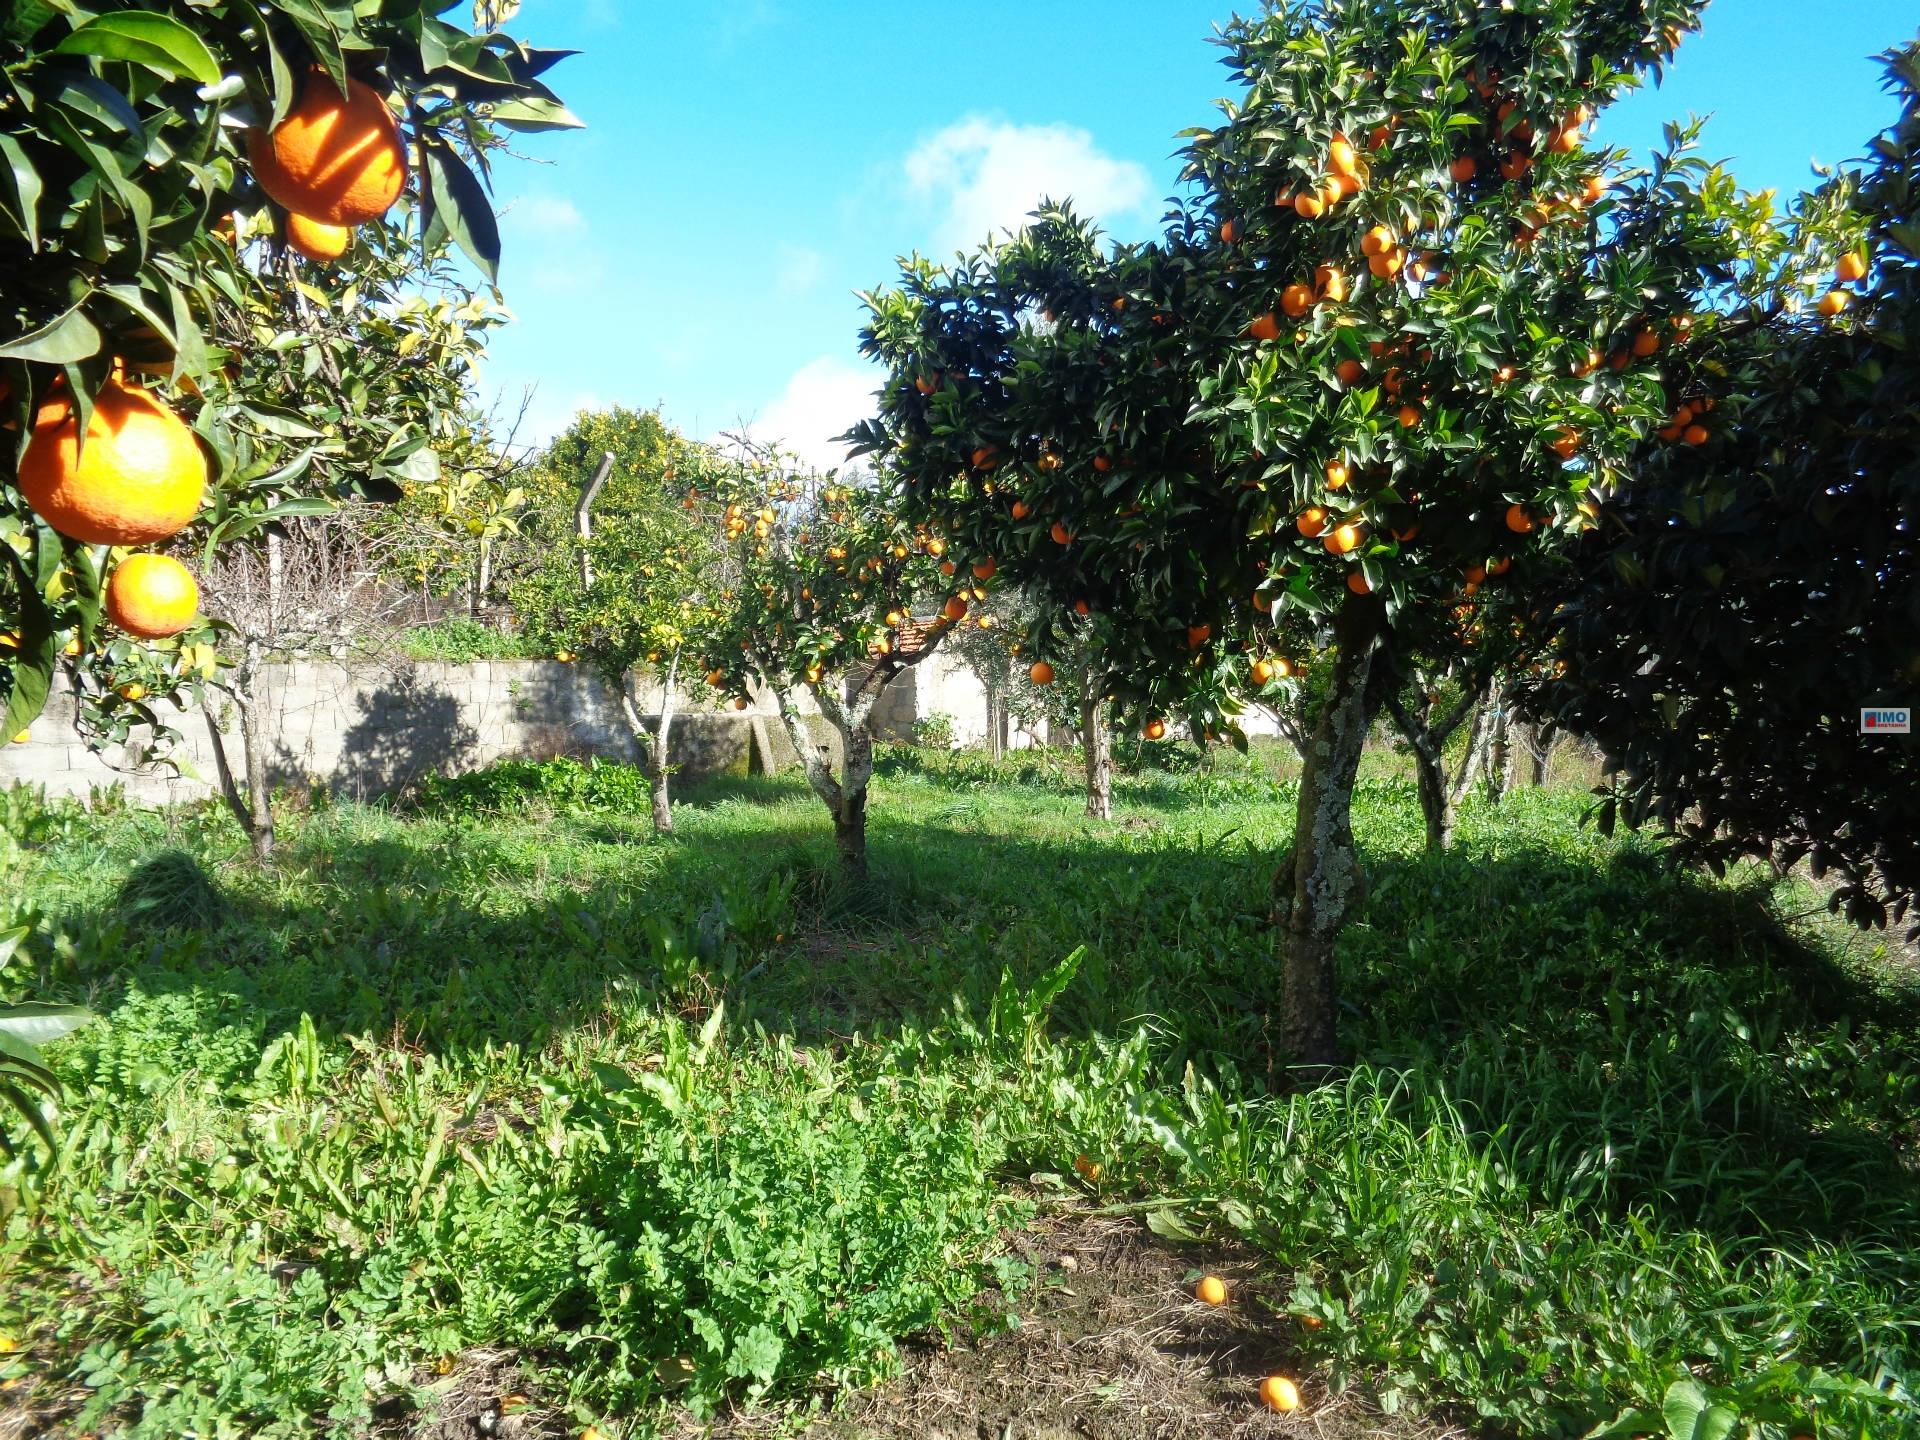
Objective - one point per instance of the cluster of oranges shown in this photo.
(138, 479)
(138, 475)
(335, 162)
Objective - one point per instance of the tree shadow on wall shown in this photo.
(407, 730)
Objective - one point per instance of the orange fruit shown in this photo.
(1500, 566)
(1409, 416)
(1081, 607)
(152, 596)
(1696, 435)
(139, 478)
(1277, 1392)
(1260, 674)
(1516, 165)
(925, 385)
(1475, 574)
(714, 677)
(954, 609)
(739, 702)
(1020, 510)
(983, 458)
(1309, 206)
(1833, 302)
(1349, 372)
(1156, 730)
(1230, 232)
(1296, 300)
(1377, 239)
(1197, 635)
(1311, 522)
(1211, 1290)
(1852, 267)
(1594, 190)
(1340, 157)
(1388, 263)
(1331, 281)
(1061, 535)
(1645, 343)
(1504, 375)
(1358, 583)
(1519, 521)
(986, 569)
(1338, 473)
(1344, 539)
(1565, 442)
(1463, 169)
(1102, 464)
(316, 239)
(1265, 327)
(335, 158)
(1040, 672)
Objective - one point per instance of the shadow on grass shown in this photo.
(1568, 1007)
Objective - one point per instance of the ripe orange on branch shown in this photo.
(336, 158)
(1040, 672)
(316, 239)
(139, 478)
(152, 596)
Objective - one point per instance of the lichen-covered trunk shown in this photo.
(1436, 805)
(1326, 869)
(850, 818)
(1098, 740)
(253, 742)
(658, 769)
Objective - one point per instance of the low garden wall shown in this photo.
(370, 730)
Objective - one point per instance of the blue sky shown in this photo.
(749, 164)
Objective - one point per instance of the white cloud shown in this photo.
(797, 269)
(826, 397)
(988, 175)
(543, 214)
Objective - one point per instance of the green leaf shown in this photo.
(159, 42)
(460, 202)
(38, 1024)
(534, 113)
(67, 338)
(23, 183)
(320, 33)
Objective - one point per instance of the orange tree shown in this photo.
(1759, 585)
(138, 142)
(827, 591)
(1406, 322)
(623, 598)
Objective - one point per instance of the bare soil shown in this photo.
(1108, 1343)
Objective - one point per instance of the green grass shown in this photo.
(689, 1122)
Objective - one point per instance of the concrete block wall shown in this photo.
(372, 730)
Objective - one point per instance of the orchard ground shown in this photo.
(500, 1116)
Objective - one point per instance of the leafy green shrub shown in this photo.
(934, 731)
(564, 786)
(461, 640)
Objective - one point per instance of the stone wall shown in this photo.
(376, 729)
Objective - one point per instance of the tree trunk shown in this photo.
(482, 578)
(1326, 871)
(658, 767)
(1500, 750)
(1479, 736)
(254, 808)
(996, 727)
(850, 819)
(1530, 755)
(1099, 742)
(1427, 743)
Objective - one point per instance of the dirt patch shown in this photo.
(1111, 1345)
